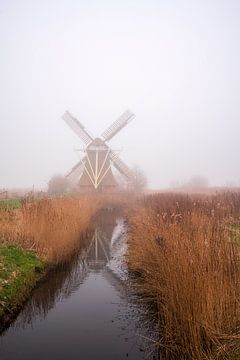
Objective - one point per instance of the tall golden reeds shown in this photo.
(185, 255)
(50, 227)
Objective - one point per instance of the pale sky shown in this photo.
(175, 64)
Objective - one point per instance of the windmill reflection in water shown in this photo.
(98, 252)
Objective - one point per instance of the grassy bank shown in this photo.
(19, 272)
(185, 257)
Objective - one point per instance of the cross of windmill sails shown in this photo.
(94, 171)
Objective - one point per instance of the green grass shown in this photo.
(19, 271)
(8, 204)
(235, 229)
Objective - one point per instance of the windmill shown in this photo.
(94, 171)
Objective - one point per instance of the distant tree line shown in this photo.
(59, 184)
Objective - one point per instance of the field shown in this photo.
(50, 227)
(184, 254)
(53, 227)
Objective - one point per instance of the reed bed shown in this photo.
(184, 253)
(50, 227)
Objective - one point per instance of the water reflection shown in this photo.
(80, 304)
(66, 279)
(58, 285)
(98, 252)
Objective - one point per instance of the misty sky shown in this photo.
(174, 63)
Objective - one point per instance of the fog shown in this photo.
(175, 64)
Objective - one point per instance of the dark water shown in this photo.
(83, 310)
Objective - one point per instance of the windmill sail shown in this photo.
(122, 121)
(121, 166)
(77, 127)
(74, 175)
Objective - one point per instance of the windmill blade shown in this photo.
(121, 166)
(122, 121)
(74, 175)
(77, 127)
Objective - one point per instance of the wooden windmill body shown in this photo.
(94, 171)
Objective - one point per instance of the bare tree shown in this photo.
(196, 183)
(58, 184)
(139, 182)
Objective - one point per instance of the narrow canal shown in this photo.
(83, 310)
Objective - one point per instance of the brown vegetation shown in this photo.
(53, 227)
(185, 254)
(50, 227)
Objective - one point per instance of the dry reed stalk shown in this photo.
(183, 251)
